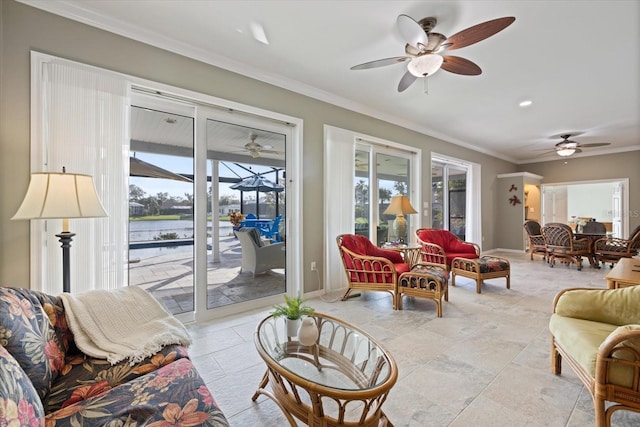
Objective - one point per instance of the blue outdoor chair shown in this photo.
(273, 233)
(249, 221)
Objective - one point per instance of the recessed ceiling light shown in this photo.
(526, 103)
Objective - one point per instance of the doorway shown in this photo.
(603, 200)
(197, 267)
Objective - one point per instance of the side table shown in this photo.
(410, 253)
(625, 273)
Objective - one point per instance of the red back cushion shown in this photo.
(447, 240)
(361, 245)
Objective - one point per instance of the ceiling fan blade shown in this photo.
(381, 62)
(457, 65)
(595, 144)
(272, 152)
(406, 81)
(411, 31)
(478, 33)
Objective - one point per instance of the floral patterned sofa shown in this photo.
(46, 380)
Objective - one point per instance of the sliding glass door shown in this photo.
(198, 175)
(448, 198)
(380, 174)
(245, 190)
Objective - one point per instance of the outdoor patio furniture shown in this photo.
(258, 257)
(537, 244)
(272, 232)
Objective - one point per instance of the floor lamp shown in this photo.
(400, 206)
(61, 196)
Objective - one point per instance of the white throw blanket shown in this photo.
(127, 323)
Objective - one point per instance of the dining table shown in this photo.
(591, 242)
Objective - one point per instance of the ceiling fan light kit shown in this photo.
(565, 151)
(423, 48)
(425, 65)
(567, 147)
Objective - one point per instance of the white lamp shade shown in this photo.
(400, 205)
(60, 195)
(425, 65)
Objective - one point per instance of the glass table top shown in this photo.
(343, 357)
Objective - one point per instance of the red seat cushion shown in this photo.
(451, 256)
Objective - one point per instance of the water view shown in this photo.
(147, 231)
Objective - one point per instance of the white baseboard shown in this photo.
(517, 251)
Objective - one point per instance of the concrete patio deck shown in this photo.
(169, 278)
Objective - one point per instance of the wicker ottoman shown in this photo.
(479, 269)
(424, 281)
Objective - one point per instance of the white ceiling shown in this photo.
(578, 61)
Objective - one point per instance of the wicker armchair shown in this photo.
(611, 249)
(562, 244)
(368, 267)
(440, 247)
(596, 333)
(537, 245)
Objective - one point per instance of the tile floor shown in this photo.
(484, 363)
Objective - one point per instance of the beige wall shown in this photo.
(612, 166)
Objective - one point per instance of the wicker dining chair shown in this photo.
(562, 244)
(537, 245)
(611, 249)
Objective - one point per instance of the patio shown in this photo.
(169, 278)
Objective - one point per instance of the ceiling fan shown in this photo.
(424, 49)
(567, 147)
(256, 149)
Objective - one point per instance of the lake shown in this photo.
(142, 231)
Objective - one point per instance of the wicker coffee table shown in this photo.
(341, 380)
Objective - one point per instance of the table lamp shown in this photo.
(400, 206)
(61, 196)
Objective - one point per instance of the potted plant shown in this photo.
(292, 309)
(236, 218)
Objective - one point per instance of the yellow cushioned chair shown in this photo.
(597, 332)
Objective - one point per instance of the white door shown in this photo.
(616, 209)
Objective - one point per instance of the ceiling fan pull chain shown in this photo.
(426, 85)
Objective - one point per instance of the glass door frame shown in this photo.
(242, 114)
(294, 223)
(473, 215)
(373, 149)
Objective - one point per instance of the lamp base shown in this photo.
(65, 239)
(400, 226)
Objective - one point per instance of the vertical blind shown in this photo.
(82, 116)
